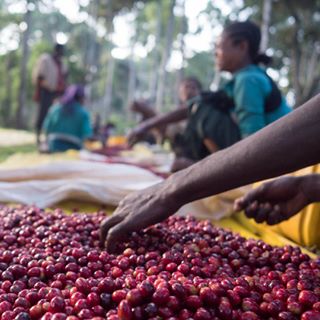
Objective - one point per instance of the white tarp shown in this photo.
(47, 184)
(50, 183)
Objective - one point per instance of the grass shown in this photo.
(7, 151)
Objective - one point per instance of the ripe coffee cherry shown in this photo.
(57, 304)
(124, 311)
(307, 297)
(161, 296)
(134, 297)
(51, 267)
(310, 315)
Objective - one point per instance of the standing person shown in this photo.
(49, 78)
(67, 123)
(247, 103)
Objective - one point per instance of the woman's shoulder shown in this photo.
(252, 71)
(56, 107)
(82, 110)
(252, 75)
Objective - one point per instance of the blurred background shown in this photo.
(124, 49)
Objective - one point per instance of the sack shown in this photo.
(209, 118)
(218, 100)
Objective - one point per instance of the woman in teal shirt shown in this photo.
(237, 52)
(67, 124)
(254, 100)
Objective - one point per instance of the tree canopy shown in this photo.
(164, 42)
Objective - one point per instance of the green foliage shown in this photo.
(122, 125)
(201, 65)
(294, 36)
(294, 33)
(108, 9)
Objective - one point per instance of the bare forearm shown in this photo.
(284, 146)
(166, 119)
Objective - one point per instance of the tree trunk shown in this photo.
(165, 57)
(131, 82)
(23, 70)
(110, 68)
(7, 105)
(310, 73)
(91, 62)
(183, 31)
(109, 87)
(132, 66)
(266, 16)
(214, 86)
(296, 54)
(156, 60)
(296, 59)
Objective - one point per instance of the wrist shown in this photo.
(171, 193)
(310, 185)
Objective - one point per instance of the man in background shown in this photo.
(49, 78)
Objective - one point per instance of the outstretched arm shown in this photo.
(157, 121)
(284, 146)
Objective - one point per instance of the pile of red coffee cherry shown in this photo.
(52, 267)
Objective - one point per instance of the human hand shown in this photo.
(135, 212)
(139, 106)
(275, 201)
(135, 134)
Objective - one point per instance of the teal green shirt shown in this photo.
(74, 122)
(249, 89)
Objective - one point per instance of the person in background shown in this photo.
(67, 124)
(49, 77)
(145, 112)
(106, 131)
(246, 104)
(286, 145)
(151, 122)
(96, 126)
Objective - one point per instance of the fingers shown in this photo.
(238, 204)
(257, 194)
(106, 225)
(132, 139)
(251, 209)
(119, 233)
(276, 216)
(271, 214)
(263, 212)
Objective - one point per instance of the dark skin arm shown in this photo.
(280, 199)
(183, 163)
(157, 121)
(284, 146)
(143, 108)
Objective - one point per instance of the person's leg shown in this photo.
(46, 99)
